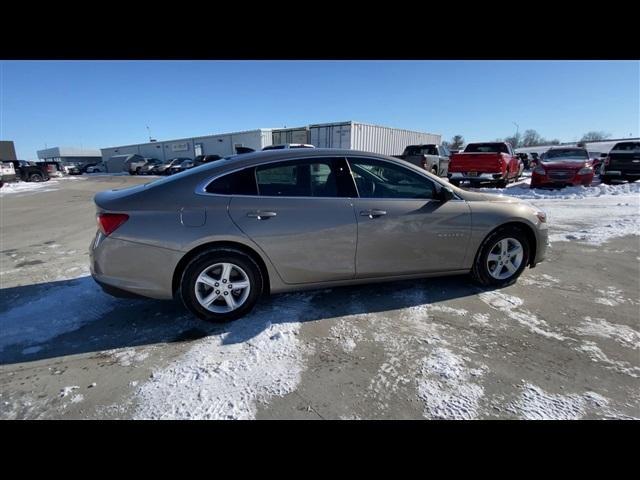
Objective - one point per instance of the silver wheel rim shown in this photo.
(505, 258)
(222, 287)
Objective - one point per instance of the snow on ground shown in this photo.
(588, 214)
(536, 404)
(34, 187)
(57, 310)
(509, 305)
(225, 375)
(446, 387)
(599, 327)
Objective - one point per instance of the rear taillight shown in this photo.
(109, 222)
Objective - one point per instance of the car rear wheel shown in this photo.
(221, 285)
(35, 177)
(501, 258)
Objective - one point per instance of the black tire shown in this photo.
(606, 180)
(36, 177)
(501, 183)
(138, 170)
(480, 271)
(219, 255)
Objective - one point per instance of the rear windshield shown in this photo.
(422, 150)
(567, 154)
(627, 146)
(486, 148)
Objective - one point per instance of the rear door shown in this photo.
(302, 218)
(403, 228)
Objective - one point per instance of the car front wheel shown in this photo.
(221, 285)
(501, 258)
(35, 177)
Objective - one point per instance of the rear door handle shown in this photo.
(372, 213)
(261, 215)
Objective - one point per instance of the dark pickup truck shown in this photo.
(29, 172)
(622, 163)
(433, 158)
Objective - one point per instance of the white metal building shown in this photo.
(70, 155)
(350, 135)
(222, 144)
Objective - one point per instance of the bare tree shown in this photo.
(595, 136)
(514, 140)
(457, 141)
(531, 138)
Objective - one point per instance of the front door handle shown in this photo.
(261, 215)
(372, 213)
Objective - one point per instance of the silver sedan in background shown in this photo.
(219, 235)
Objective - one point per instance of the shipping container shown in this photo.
(290, 135)
(368, 138)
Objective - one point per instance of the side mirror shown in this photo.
(446, 194)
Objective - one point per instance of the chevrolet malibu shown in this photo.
(560, 167)
(220, 235)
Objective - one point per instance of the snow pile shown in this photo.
(507, 304)
(599, 327)
(223, 379)
(446, 387)
(536, 404)
(589, 214)
(568, 193)
(28, 187)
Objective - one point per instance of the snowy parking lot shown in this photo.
(562, 343)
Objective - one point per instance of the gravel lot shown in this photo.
(563, 343)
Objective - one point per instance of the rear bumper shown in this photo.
(480, 177)
(122, 267)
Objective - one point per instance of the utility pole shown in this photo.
(517, 128)
(149, 132)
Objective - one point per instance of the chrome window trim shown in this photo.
(201, 187)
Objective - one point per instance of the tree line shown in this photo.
(530, 138)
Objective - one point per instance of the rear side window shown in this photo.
(242, 182)
(317, 177)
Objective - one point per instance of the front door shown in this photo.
(302, 219)
(403, 226)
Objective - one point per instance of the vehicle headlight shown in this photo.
(539, 170)
(585, 171)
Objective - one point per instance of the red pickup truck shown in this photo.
(493, 162)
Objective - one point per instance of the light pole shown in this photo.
(149, 131)
(517, 128)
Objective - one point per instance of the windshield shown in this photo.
(486, 148)
(570, 154)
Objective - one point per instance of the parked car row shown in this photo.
(21, 170)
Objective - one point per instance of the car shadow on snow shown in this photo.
(75, 316)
